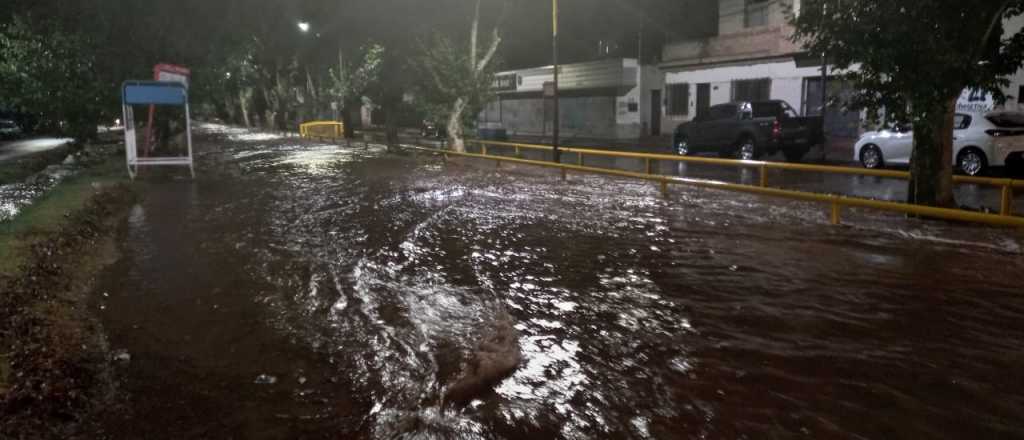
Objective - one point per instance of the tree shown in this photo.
(350, 81)
(913, 60)
(49, 73)
(457, 84)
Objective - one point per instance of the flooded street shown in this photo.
(301, 290)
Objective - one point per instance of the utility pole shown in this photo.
(554, 46)
(824, 89)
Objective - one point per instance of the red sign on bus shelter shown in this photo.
(171, 72)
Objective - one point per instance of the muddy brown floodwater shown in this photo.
(300, 290)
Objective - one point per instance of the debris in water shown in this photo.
(266, 379)
(122, 356)
(496, 357)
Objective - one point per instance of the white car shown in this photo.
(980, 141)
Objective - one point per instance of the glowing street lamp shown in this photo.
(304, 26)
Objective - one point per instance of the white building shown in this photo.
(609, 99)
(752, 58)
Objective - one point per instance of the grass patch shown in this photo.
(46, 215)
(54, 369)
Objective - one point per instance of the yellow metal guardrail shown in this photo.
(322, 129)
(1007, 185)
(835, 202)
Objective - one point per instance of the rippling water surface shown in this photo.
(309, 291)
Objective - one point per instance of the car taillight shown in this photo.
(776, 129)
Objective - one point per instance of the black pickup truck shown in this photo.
(748, 130)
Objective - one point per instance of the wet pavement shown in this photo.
(302, 290)
(10, 150)
(969, 196)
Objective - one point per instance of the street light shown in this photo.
(554, 47)
(304, 26)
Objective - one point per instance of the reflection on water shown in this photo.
(705, 316)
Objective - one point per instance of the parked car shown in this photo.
(748, 130)
(9, 129)
(980, 141)
(431, 130)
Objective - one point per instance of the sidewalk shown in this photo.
(838, 151)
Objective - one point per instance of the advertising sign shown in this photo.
(975, 101)
(506, 83)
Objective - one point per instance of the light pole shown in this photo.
(554, 46)
(824, 87)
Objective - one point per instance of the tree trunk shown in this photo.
(455, 135)
(931, 166)
(243, 104)
(270, 113)
(391, 125)
(229, 109)
(346, 117)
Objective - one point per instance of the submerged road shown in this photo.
(303, 290)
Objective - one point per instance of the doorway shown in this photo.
(703, 99)
(655, 112)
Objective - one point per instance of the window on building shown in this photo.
(811, 103)
(756, 13)
(678, 99)
(752, 90)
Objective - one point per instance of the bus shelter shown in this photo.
(153, 93)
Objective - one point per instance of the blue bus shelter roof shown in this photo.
(154, 92)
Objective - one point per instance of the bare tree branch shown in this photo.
(473, 36)
(495, 42)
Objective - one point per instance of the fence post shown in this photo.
(1006, 208)
(835, 211)
(648, 165)
(664, 189)
(579, 157)
(764, 176)
(564, 175)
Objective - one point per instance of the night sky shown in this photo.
(526, 23)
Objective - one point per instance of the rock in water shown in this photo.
(265, 379)
(496, 357)
(122, 356)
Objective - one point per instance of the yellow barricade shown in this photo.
(322, 129)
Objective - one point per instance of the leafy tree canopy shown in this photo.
(921, 51)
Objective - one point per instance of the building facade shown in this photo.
(751, 57)
(608, 99)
